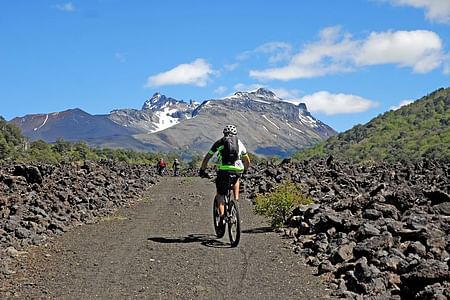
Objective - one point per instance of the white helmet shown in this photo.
(230, 130)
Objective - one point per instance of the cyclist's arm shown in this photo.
(244, 155)
(209, 155)
(246, 161)
(205, 160)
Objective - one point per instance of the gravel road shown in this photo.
(163, 247)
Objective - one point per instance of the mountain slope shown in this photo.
(77, 125)
(268, 125)
(418, 130)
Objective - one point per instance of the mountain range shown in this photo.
(267, 124)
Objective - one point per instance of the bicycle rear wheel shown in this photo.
(218, 226)
(234, 224)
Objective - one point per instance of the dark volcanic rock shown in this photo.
(37, 201)
(377, 232)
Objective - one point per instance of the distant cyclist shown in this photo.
(175, 167)
(161, 167)
(232, 158)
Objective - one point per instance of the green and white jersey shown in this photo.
(238, 166)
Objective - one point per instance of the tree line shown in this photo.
(17, 148)
(420, 130)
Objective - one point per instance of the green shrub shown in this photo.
(279, 204)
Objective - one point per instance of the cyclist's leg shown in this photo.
(220, 201)
(236, 187)
(222, 188)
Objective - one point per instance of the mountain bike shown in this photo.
(231, 216)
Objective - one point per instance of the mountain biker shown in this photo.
(175, 166)
(225, 170)
(161, 166)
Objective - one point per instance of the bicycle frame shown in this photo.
(231, 216)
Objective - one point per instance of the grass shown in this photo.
(279, 204)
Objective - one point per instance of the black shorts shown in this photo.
(222, 180)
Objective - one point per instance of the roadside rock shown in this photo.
(39, 201)
(375, 232)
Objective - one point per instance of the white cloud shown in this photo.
(68, 7)
(285, 93)
(447, 69)
(326, 56)
(231, 67)
(419, 49)
(338, 52)
(277, 51)
(220, 90)
(196, 73)
(447, 64)
(435, 10)
(333, 104)
(403, 103)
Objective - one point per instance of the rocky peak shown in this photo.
(158, 101)
(265, 93)
(257, 95)
(302, 107)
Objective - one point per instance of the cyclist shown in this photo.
(175, 167)
(161, 167)
(226, 167)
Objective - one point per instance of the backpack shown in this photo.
(230, 152)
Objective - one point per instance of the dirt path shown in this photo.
(164, 248)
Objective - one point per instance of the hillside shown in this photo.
(268, 125)
(11, 139)
(413, 132)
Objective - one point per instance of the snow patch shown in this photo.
(308, 120)
(45, 121)
(165, 119)
(296, 129)
(262, 101)
(275, 125)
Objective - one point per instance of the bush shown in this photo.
(279, 204)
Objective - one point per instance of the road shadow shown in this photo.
(257, 230)
(202, 239)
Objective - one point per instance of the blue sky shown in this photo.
(348, 60)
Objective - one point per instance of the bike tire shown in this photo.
(234, 224)
(218, 228)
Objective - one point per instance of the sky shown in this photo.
(349, 61)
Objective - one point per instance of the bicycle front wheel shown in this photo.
(234, 224)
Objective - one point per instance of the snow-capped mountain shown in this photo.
(267, 124)
(158, 113)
